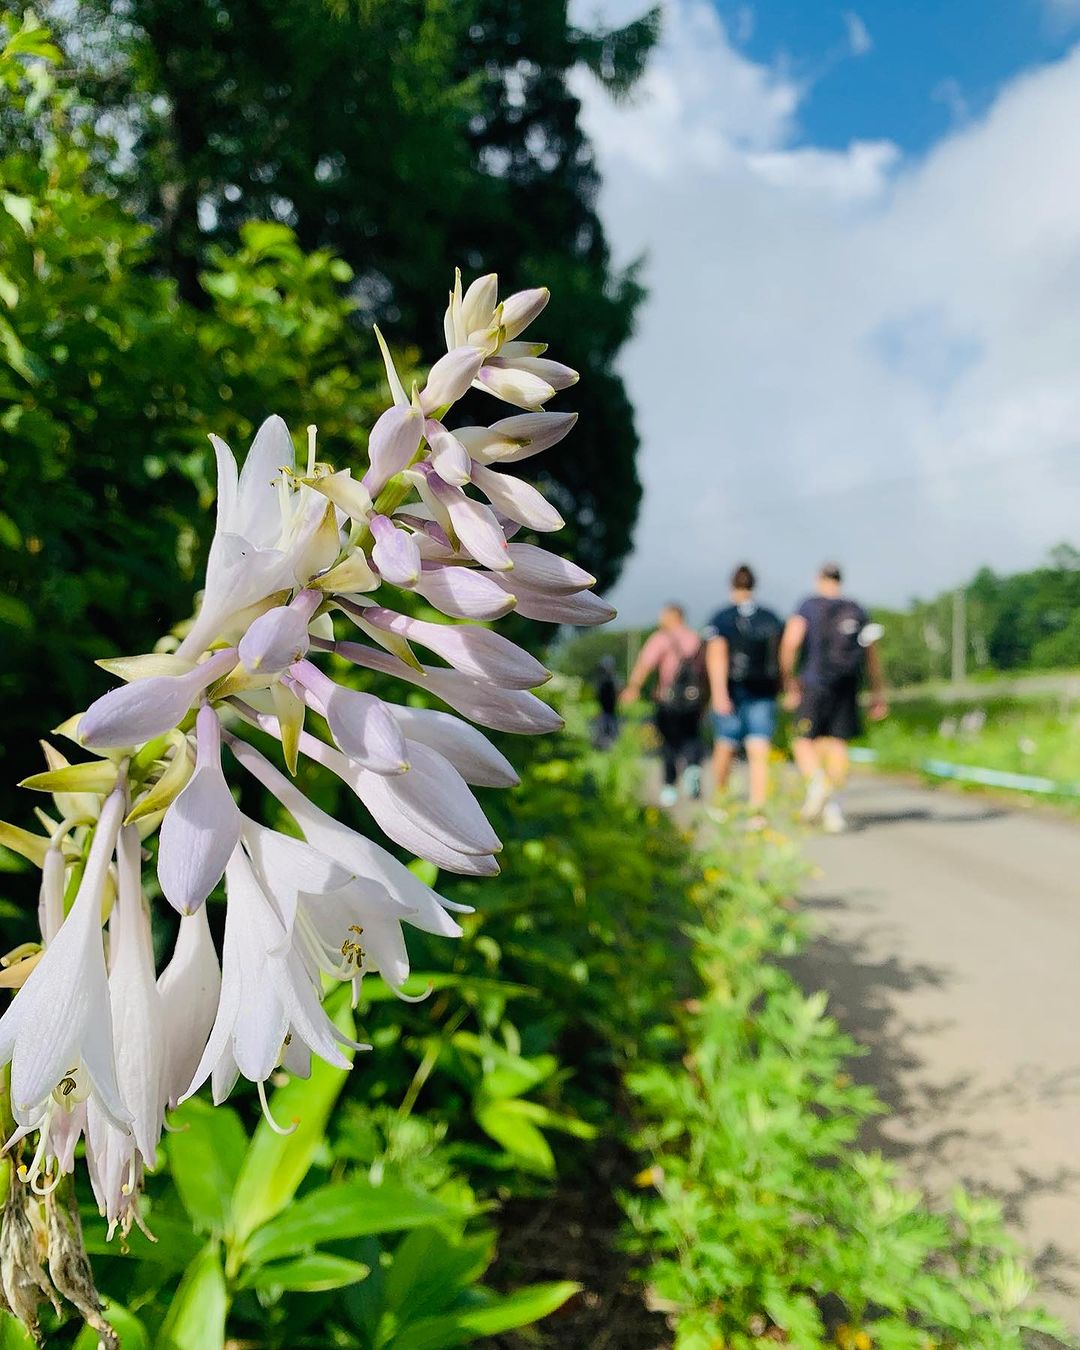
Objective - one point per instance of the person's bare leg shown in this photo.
(805, 753)
(757, 760)
(722, 756)
(834, 760)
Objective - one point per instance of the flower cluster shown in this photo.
(100, 1044)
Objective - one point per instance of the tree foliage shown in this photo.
(405, 135)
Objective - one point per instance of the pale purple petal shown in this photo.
(258, 513)
(516, 438)
(537, 569)
(360, 724)
(519, 387)
(201, 828)
(582, 609)
(394, 440)
(139, 711)
(395, 553)
(468, 750)
(517, 499)
(473, 523)
(463, 593)
(552, 373)
(274, 641)
(450, 377)
(189, 986)
(137, 1013)
(476, 651)
(478, 304)
(448, 456)
(513, 710)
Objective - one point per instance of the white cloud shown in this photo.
(858, 35)
(843, 353)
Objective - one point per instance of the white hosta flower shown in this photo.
(189, 987)
(58, 1032)
(117, 1156)
(411, 901)
(267, 536)
(100, 1051)
(267, 995)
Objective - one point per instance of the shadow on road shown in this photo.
(938, 1131)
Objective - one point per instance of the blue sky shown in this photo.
(929, 63)
(860, 228)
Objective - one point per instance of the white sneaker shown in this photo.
(669, 795)
(832, 818)
(817, 794)
(691, 782)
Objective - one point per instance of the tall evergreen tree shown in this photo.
(406, 135)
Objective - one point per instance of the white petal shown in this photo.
(200, 829)
(258, 516)
(450, 377)
(354, 851)
(468, 750)
(136, 1004)
(226, 486)
(189, 986)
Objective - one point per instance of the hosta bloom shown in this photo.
(328, 591)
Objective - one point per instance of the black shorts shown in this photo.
(830, 710)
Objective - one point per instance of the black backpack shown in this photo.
(688, 690)
(842, 654)
(754, 652)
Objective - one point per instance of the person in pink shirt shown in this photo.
(673, 653)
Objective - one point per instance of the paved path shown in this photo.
(949, 941)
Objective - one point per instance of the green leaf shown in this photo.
(349, 1209)
(276, 1164)
(312, 1273)
(799, 1317)
(205, 1156)
(20, 209)
(498, 1314)
(13, 1335)
(132, 1333)
(176, 1244)
(429, 1272)
(510, 1126)
(196, 1318)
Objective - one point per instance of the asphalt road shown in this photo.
(949, 941)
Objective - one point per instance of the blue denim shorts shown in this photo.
(750, 717)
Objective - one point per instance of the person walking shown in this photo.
(606, 687)
(673, 652)
(838, 646)
(742, 648)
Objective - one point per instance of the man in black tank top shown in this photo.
(837, 644)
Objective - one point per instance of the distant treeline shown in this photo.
(1023, 621)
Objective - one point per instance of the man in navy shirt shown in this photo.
(742, 658)
(838, 646)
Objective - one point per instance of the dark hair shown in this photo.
(743, 579)
(831, 571)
